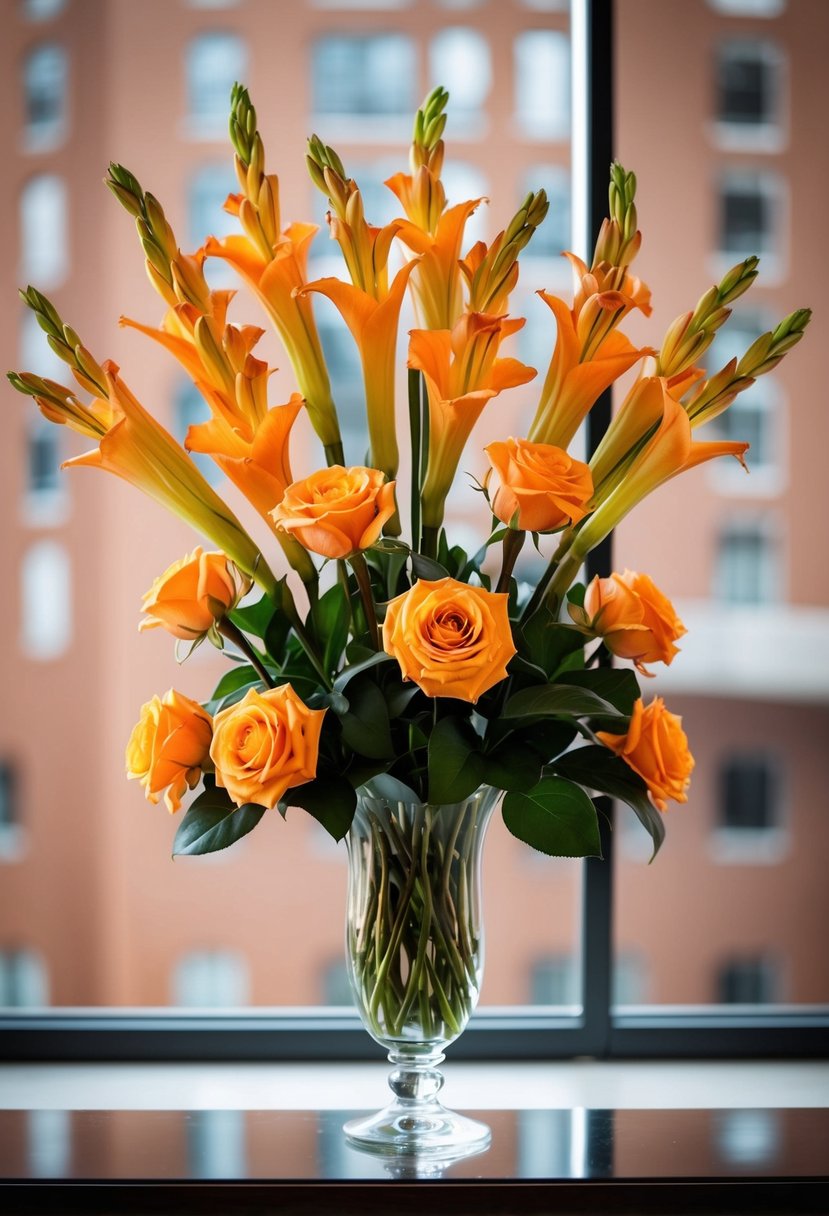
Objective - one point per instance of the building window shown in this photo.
(46, 608)
(214, 62)
(23, 979)
(11, 830)
(749, 8)
(748, 84)
(336, 988)
(346, 374)
(754, 417)
(44, 83)
(462, 57)
(748, 981)
(554, 980)
(42, 10)
(211, 979)
(462, 181)
(629, 978)
(189, 409)
(749, 214)
(44, 458)
(749, 794)
(541, 64)
(207, 192)
(364, 75)
(553, 236)
(43, 231)
(746, 565)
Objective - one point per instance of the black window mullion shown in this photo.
(597, 886)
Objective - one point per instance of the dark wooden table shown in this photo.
(540, 1161)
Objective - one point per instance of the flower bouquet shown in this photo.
(392, 685)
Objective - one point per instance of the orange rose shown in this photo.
(265, 744)
(453, 640)
(655, 747)
(193, 594)
(542, 483)
(337, 511)
(169, 746)
(633, 617)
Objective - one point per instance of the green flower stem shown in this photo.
(416, 946)
(228, 630)
(513, 544)
(289, 608)
(358, 565)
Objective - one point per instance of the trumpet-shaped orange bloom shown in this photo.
(668, 452)
(246, 438)
(437, 285)
(135, 447)
(373, 319)
(278, 282)
(462, 372)
(575, 382)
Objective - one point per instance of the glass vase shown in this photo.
(414, 944)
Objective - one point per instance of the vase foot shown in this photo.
(414, 1128)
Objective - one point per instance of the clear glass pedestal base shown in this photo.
(416, 1122)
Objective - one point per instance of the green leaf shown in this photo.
(330, 800)
(513, 766)
(329, 619)
(576, 595)
(428, 568)
(214, 822)
(556, 817)
(254, 618)
(618, 686)
(559, 700)
(276, 636)
(244, 676)
(456, 766)
(598, 769)
(389, 788)
(546, 641)
(366, 727)
(348, 673)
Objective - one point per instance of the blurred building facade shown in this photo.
(713, 105)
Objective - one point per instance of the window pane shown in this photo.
(44, 76)
(214, 61)
(43, 223)
(728, 912)
(260, 924)
(542, 84)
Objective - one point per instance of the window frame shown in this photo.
(598, 1030)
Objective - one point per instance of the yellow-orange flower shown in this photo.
(337, 511)
(462, 372)
(656, 748)
(193, 594)
(545, 486)
(633, 617)
(266, 744)
(169, 747)
(451, 639)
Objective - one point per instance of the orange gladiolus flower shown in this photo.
(278, 282)
(373, 318)
(137, 448)
(575, 380)
(655, 747)
(462, 372)
(437, 285)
